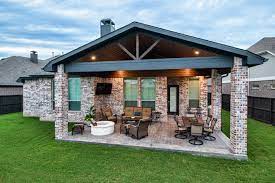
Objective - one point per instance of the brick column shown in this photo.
(203, 96)
(216, 97)
(161, 96)
(61, 103)
(238, 107)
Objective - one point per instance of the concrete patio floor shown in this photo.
(161, 137)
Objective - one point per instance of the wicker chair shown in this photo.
(208, 131)
(182, 131)
(108, 114)
(140, 130)
(196, 133)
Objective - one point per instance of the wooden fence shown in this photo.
(259, 108)
(11, 103)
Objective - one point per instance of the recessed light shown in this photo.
(93, 57)
(196, 52)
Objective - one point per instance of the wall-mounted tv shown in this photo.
(103, 88)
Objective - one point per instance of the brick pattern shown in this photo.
(37, 99)
(238, 105)
(161, 96)
(203, 96)
(115, 100)
(216, 97)
(183, 93)
(61, 103)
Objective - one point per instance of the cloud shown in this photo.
(64, 25)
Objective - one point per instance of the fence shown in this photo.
(11, 103)
(259, 108)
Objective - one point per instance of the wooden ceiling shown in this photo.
(165, 48)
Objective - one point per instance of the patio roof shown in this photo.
(150, 64)
(249, 57)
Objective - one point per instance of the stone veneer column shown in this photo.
(216, 97)
(203, 96)
(61, 103)
(161, 96)
(238, 107)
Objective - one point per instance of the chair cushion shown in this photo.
(146, 112)
(108, 114)
(129, 111)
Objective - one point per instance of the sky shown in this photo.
(59, 26)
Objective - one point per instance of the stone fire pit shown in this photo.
(103, 128)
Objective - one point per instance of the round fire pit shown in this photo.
(103, 128)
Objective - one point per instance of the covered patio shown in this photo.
(171, 61)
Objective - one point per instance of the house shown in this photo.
(261, 77)
(150, 67)
(11, 68)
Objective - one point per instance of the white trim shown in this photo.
(266, 51)
(262, 78)
(257, 79)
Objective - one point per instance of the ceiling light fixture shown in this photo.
(197, 52)
(93, 57)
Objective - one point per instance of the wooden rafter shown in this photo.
(137, 46)
(126, 51)
(149, 49)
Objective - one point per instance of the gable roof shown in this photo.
(13, 67)
(249, 57)
(265, 44)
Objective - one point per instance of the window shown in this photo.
(52, 94)
(148, 92)
(74, 94)
(130, 92)
(255, 86)
(272, 86)
(194, 93)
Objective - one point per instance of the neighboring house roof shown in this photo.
(266, 48)
(37, 72)
(13, 67)
(265, 44)
(249, 57)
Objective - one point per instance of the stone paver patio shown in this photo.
(161, 137)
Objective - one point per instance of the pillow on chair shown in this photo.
(137, 113)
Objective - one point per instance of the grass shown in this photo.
(29, 153)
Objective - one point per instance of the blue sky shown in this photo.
(60, 26)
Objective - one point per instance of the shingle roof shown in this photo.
(13, 67)
(265, 44)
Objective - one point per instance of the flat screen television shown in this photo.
(103, 88)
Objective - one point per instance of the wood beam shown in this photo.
(137, 46)
(126, 51)
(149, 49)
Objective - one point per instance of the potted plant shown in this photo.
(89, 117)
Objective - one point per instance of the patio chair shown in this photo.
(181, 132)
(140, 130)
(108, 114)
(196, 133)
(146, 113)
(78, 128)
(208, 131)
(128, 113)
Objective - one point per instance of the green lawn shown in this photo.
(29, 153)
